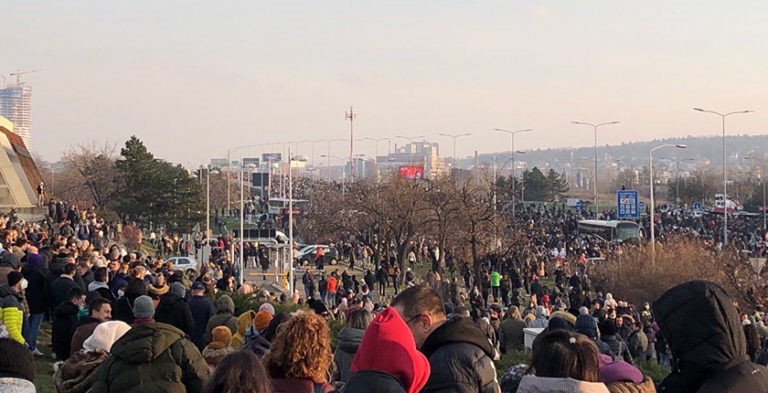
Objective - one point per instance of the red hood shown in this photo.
(388, 346)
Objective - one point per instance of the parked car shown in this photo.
(184, 263)
(307, 254)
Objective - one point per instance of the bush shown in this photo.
(636, 278)
(245, 302)
(652, 369)
(513, 358)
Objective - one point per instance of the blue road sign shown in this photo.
(641, 206)
(578, 205)
(697, 206)
(627, 204)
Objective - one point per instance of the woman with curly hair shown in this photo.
(300, 358)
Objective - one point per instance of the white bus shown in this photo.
(612, 231)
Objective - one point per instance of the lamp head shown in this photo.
(681, 146)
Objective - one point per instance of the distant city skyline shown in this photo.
(195, 81)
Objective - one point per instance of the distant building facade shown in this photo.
(16, 106)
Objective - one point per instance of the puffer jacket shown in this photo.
(77, 374)
(244, 321)
(152, 357)
(705, 336)
(460, 357)
(13, 319)
(225, 308)
(348, 341)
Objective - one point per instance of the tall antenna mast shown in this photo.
(351, 115)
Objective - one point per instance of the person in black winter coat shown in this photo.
(705, 336)
(609, 335)
(202, 310)
(61, 286)
(65, 322)
(173, 309)
(460, 355)
(38, 294)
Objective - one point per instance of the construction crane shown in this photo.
(19, 73)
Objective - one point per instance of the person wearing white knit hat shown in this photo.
(78, 373)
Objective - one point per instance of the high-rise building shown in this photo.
(16, 106)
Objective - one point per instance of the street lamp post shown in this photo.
(725, 170)
(242, 219)
(208, 201)
(763, 171)
(653, 200)
(595, 127)
(455, 136)
(300, 158)
(514, 161)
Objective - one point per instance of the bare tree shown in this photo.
(90, 174)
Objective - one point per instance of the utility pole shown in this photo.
(351, 115)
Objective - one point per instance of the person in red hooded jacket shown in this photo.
(387, 360)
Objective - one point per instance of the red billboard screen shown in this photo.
(412, 172)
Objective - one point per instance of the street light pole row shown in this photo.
(725, 170)
(514, 161)
(653, 200)
(595, 127)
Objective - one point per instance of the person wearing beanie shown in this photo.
(620, 376)
(261, 320)
(17, 369)
(143, 310)
(174, 310)
(244, 321)
(225, 308)
(202, 310)
(219, 347)
(268, 307)
(12, 305)
(77, 374)
(373, 371)
(152, 357)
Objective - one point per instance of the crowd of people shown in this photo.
(122, 321)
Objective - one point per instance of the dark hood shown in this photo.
(457, 330)
(65, 309)
(586, 325)
(349, 339)
(703, 331)
(145, 342)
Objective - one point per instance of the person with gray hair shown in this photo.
(349, 340)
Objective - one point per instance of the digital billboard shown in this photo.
(412, 171)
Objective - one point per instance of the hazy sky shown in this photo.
(194, 78)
